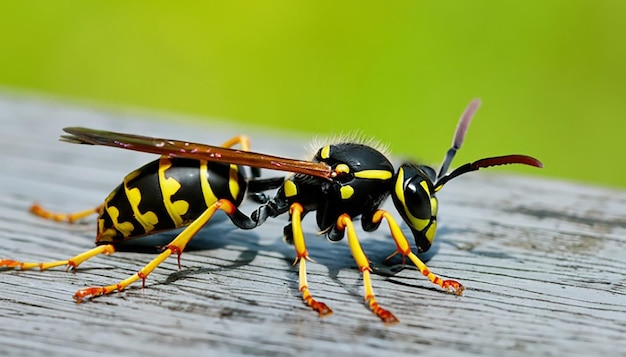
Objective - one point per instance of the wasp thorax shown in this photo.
(361, 179)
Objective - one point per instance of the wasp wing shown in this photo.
(183, 149)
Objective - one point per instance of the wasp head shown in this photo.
(414, 198)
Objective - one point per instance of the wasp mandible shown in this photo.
(343, 181)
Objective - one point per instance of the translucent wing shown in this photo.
(183, 149)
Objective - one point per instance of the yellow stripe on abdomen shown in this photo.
(169, 187)
(207, 191)
(233, 181)
(147, 220)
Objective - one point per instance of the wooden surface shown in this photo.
(543, 263)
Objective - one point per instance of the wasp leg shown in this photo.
(63, 217)
(302, 255)
(244, 142)
(256, 186)
(175, 246)
(403, 248)
(344, 222)
(72, 263)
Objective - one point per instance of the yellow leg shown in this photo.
(404, 248)
(302, 255)
(63, 217)
(242, 140)
(71, 263)
(345, 223)
(176, 246)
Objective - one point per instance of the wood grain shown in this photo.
(543, 263)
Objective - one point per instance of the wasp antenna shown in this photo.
(459, 135)
(73, 140)
(488, 162)
(464, 122)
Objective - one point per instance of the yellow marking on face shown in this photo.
(374, 174)
(169, 187)
(416, 223)
(430, 233)
(434, 206)
(233, 181)
(207, 191)
(126, 228)
(147, 220)
(425, 187)
(346, 192)
(325, 152)
(291, 189)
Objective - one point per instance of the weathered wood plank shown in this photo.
(543, 263)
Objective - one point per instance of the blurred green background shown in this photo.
(552, 74)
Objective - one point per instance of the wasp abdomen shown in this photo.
(166, 194)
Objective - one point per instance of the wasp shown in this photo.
(343, 182)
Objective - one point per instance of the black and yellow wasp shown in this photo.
(343, 181)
